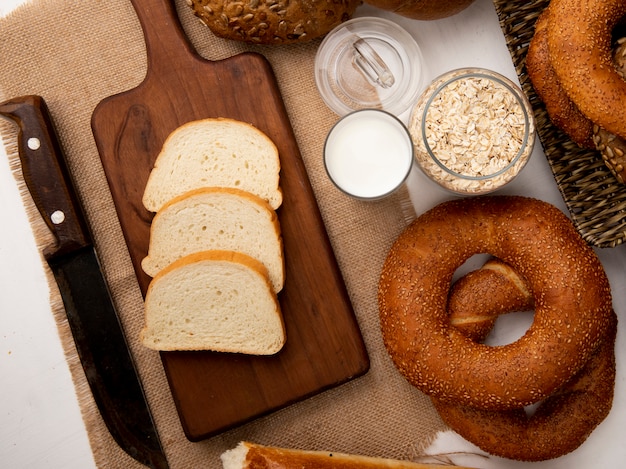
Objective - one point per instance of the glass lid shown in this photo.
(369, 63)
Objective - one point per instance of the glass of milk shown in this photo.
(368, 154)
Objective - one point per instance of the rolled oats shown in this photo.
(476, 127)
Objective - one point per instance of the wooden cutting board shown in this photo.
(217, 391)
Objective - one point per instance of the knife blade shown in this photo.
(93, 319)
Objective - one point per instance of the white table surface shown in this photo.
(41, 422)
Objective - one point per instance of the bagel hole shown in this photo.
(508, 327)
(475, 262)
(532, 408)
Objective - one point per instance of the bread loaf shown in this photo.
(253, 456)
(213, 300)
(216, 219)
(423, 9)
(273, 21)
(214, 152)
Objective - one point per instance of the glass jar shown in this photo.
(473, 131)
(369, 63)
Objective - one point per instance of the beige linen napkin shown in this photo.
(75, 53)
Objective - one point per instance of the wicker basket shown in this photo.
(594, 198)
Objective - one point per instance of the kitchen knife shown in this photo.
(92, 317)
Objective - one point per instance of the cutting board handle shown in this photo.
(166, 41)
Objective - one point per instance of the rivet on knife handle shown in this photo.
(43, 171)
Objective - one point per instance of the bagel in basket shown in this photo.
(580, 44)
(562, 111)
(572, 297)
(589, 56)
(612, 147)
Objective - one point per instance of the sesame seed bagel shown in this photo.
(570, 290)
(564, 420)
(579, 42)
(563, 113)
(612, 147)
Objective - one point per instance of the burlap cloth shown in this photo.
(74, 53)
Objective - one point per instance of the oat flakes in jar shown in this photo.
(473, 131)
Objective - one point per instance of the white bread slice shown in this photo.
(214, 152)
(248, 455)
(213, 300)
(216, 218)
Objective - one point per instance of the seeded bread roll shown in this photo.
(216, 218)
(214, 153)
(213, 300)
(273, 21)
(423, 9)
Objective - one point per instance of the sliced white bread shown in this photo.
(248, 455)
(216, 218)
(214, 152)
(213, 300)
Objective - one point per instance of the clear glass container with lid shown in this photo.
(473, 131)
(369, 63)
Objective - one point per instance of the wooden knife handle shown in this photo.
(46, 175)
